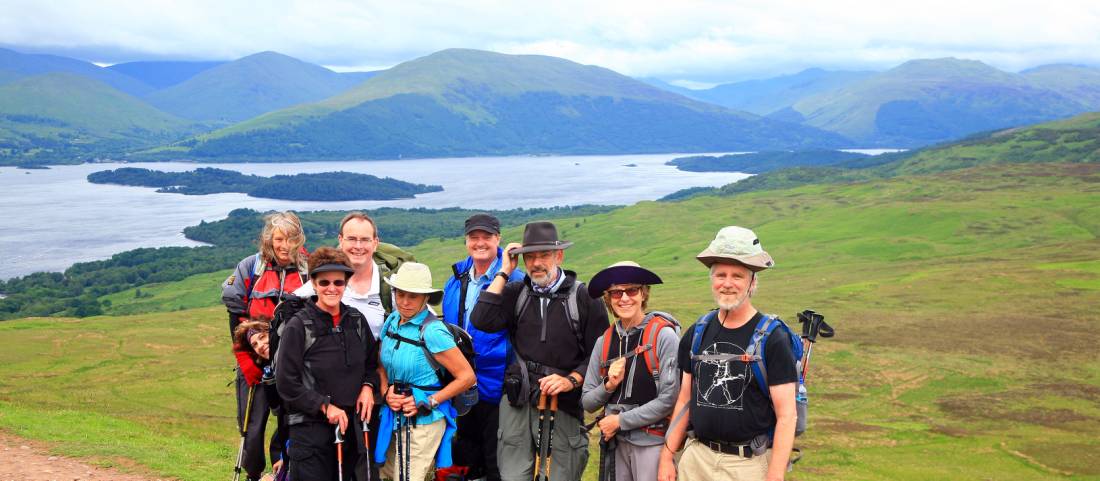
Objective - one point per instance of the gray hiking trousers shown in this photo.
(519, 427)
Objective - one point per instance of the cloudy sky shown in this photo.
(692, 42)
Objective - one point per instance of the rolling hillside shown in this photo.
(927, 101)
(468, 102)
(253, 85)
(964, 302)
(61, 117)
(772, 95)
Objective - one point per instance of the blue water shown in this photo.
(55, 217)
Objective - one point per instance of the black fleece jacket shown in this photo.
(339, 362)
(561, 349)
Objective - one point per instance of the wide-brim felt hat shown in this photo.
(625, 272)
(541, 236)
(332, 267)
(736, 245)
(416, 278)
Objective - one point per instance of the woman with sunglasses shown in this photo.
(632, 373)
(327, 366)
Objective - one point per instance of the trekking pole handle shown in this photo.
(554, 402)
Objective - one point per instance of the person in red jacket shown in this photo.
(252, 291)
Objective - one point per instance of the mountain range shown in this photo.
(917, 103)
(466, 102)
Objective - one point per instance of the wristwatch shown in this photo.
(433, 402)
(505, 275)
(574, 381)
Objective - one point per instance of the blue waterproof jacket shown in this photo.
(493, 349)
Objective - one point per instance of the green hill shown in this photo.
(927, 101)
(766, 96)
(62, 117)
(964, 302)
(468, 102)
(253, 85)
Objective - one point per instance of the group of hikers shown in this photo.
(367, 380)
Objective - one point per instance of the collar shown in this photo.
(552, 288)
(493, 268)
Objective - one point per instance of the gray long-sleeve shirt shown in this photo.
(632, 417)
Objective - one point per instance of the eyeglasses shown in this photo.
(358, 240)
(618, 293)
(326, 282)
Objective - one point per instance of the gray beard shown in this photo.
(730, 307)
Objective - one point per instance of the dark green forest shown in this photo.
(76, 291)
(327, 186)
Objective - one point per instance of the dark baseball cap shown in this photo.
(484, 222)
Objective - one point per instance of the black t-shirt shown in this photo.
(726, 401)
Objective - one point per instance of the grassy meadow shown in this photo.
(965, 306)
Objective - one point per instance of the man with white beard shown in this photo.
(553, 325)
(740, 431)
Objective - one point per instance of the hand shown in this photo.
(277, 466)
(336, 415)
(554, 384)
(666, 469)
(395, 401)
(408, 406)
(615, 374)
(508, 262)
(609, 425)
(365, 402)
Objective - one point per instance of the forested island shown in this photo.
(760, 162)
(327, 186)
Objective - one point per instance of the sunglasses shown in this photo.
(618, 293)
(326, 282)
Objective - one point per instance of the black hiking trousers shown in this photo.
(312, 450)
(254, 460)
(475, 443)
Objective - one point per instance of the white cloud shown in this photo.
(701, 41)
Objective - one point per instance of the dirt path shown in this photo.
(22, 460)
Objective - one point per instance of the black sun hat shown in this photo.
(625, 272)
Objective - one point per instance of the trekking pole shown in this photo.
(408, 448)
(339, 453)
(538, 439)
(400, 450)
(366, 443)
(244, 433)
(813, 324)
(550, 436)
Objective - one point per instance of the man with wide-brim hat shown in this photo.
(632, 373)
(552, 324)
(476, 439)
(741, 431)
(412, 339)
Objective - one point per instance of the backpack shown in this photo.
(464, 401)
(754, 356)
(389, 257)
(286, 310)
(572, 310)
(647, 347)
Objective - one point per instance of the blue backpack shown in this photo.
(754, 356)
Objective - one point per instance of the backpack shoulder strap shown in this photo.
(755, 352)
(522, 300)
(606, 350)
(571, 306)
(698, 331)
(657, 320)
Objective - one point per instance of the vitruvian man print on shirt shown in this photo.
(721, 383)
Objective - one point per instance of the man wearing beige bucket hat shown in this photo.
(553, 325)
(740, 431)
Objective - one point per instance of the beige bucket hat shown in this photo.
(416, 278)
(736, 245)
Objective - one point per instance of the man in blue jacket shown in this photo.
(476, 439)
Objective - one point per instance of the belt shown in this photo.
(726, 447)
